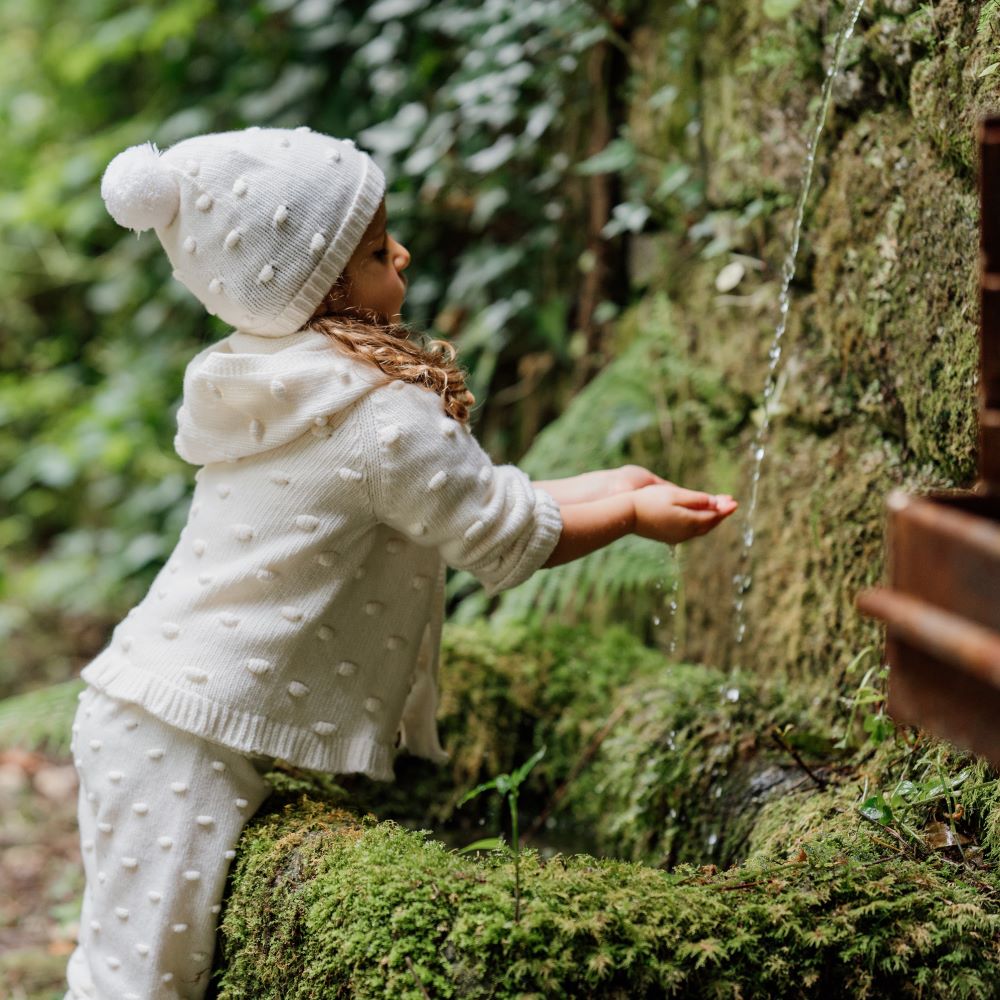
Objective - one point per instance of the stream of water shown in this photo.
(671, 601)
(743, 579)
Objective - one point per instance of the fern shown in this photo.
(651, 406)
(987, 15)
(596, 586)
(41, 719)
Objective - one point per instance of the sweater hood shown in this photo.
(246, 394)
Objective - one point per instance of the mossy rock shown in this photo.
(327, 902)
(948, 91)
(896, 292)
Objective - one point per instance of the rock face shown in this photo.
(880, 357)
(670, 765)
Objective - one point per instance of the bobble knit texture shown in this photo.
(160, 814)
(299, 615)
(258, 224)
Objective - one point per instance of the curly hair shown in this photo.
(367, 335)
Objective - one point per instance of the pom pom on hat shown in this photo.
(139, 190)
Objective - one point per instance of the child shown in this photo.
(299, 615)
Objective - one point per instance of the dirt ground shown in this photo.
(41, 876)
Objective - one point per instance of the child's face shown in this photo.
(374, 272)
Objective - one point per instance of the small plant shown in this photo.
(912, 811)
(870, 696)
(508, 786)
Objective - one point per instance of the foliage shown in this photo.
(477, 113)
(40, 719)
(988, 15)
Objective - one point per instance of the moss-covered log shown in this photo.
(328, 903)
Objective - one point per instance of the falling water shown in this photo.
(743, 579)
(671, 600)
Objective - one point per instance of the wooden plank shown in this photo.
(989, 193)
(925, 692)
(989, 449)
(948, 637)
(947, 556)
(989, 311)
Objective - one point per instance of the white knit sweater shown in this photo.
(299, 615)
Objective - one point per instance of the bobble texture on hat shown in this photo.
(258, 223)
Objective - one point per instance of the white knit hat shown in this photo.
(258, 223)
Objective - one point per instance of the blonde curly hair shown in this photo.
(367, 335)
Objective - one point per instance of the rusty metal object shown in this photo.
(942, 604)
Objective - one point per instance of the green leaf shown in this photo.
(629, 215)
(522, 772)
(989, 70)
(619, 154)
(478, 790)
(879, 726)
(877, 809)
(488, 844)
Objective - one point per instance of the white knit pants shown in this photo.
(160, 813)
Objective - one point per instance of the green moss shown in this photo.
(896, 292)
(327, 902)
(655, 756)
(688, 765)
(352, 909)
(948, 94)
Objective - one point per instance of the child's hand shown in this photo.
(597, 485)
(672, 514)
(630, 477)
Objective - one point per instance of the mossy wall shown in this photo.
(877, 380)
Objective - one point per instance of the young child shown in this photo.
(298, 617)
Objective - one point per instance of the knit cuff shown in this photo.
(545, 537)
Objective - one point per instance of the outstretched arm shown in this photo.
(663, 512)
(598, 484)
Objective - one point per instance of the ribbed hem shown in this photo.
(339, 252)
(548, 528)
(241, 731)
